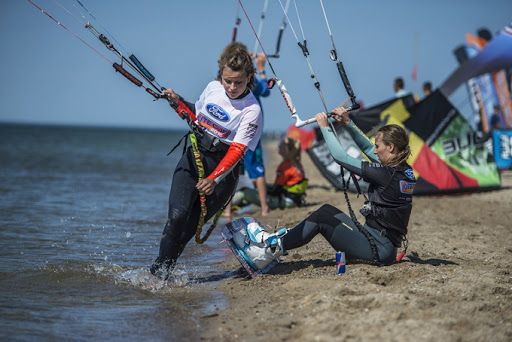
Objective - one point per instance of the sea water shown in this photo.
(81, 214)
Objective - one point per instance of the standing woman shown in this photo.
(229, 122)
(389, 204)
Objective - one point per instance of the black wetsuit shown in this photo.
(218, 118)
(184, 205)
(387, 211)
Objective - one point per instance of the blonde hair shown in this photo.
(237, 58)
(397, 136)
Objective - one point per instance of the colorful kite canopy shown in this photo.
(447, 154)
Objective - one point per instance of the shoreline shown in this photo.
(454, 284)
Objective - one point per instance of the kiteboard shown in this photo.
(257, 250)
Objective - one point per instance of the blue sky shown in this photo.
(48, 76)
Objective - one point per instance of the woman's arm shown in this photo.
(334, 146)
(362, 141)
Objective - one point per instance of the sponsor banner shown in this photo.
(464, 150)
(502, 148)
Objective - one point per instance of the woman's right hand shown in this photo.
(170, 94)
(321, 119)
(340, 114)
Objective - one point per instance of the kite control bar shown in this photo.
(299, 122)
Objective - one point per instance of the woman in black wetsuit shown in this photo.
(226, 121)
(389, 204)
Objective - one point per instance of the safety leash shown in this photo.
(202, 196)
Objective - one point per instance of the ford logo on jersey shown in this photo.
(217, 112)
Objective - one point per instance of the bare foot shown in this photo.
(265, 211)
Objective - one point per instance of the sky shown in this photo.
(51, 77)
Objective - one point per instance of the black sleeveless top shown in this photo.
(390, 197)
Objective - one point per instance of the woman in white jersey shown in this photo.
(228, 122)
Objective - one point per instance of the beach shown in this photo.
(455, 283)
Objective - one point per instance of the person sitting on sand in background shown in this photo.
(388, 208)
(289, 188)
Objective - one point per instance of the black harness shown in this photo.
(360, 227)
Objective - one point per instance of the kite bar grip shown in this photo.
(346, 83)
(142, 68)
(119, 68)
(300, 123)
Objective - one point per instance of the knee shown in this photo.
(328, 210)
(325, 214)
(177, 218)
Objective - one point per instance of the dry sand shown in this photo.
(454, 285)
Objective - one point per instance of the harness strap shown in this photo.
(179, 143)
(202, 196)
(360, 227)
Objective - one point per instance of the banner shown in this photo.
(502, 148)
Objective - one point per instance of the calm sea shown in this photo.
(81, 214)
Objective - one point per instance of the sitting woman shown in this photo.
(289, 188)
(389, 204)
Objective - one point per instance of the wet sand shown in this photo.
(455, 284)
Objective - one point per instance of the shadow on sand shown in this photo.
(415, 258)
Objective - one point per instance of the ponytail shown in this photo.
(397, 136)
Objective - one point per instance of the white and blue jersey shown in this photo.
(230, 120)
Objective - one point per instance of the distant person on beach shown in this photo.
(289, 188)
(229, 122)
(497, 119)
(427, 88)
(389, 203)
(398, 87)
(253, 160)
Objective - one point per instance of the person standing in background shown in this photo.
(398, 87)
(427, 88)
(496, 120)
(253, 160)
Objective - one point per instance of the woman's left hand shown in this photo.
(321, 119)
(206, 185)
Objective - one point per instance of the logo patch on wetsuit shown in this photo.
(213, 127)
(409, 173)
(407, 187)
(217, 112)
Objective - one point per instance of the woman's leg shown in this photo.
(341, 233)
(181, 214)
(184, 210)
